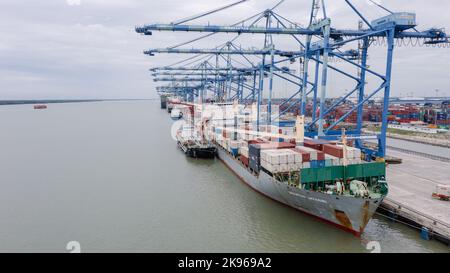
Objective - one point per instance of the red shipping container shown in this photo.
(320, 155)
(316, 144)
(333, 150)
(244, 160)
(306, 157)
(258, 141)
(312, 144)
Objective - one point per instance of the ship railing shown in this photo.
(436, 224)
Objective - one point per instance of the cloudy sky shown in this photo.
(88, 48)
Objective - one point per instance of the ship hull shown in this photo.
(346, 212)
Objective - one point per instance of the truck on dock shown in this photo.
(442, 192)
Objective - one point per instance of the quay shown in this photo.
(411, 185)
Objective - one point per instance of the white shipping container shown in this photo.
(292, 167)
(243, 151)
(306, 165)
(350, 153)
(312, 152)
(275, 168)
(336, 162)
(290, 157)
(274, 158)
(354, 161)
(271, 168)
(270, 156)
(234, 144)
(265, 164)
(264, 156)
(284, 168)
(283, 159)
(298, 157)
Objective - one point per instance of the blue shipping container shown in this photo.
(321, 163)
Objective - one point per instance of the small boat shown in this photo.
(176, 114)
(40, 106)
(193, 146)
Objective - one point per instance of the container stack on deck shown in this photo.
(274, 150)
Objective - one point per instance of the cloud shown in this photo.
(73, 2)
(88, 48)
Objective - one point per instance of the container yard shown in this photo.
(309, 151)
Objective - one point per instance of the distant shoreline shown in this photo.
(19, 102)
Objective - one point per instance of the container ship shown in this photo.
(327, 180)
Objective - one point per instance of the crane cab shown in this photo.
(402, 21)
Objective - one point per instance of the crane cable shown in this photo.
(185, 20)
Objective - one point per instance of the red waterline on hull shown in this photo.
(355, 233)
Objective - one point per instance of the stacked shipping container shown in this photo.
(277, 156)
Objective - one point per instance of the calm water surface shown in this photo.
(109, 176)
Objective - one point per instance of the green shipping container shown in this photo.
(321, 174)
(337, 172)
(366, 170)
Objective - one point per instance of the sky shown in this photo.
(88, 49)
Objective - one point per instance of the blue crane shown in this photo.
(321, 43)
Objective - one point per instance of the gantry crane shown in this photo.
(320, 42)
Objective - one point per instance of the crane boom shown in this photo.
(151, 52)
(428, 34)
